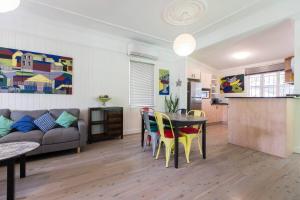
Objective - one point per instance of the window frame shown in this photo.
(278, 85)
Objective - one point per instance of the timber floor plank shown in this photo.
(119, 169)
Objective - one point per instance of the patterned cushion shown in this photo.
(25, 124)
(45, 122)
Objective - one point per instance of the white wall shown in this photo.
(193, 63)
(101, 66)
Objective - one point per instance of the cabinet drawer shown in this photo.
(114, 126)
(115, 121)
(115, 114)
(115, 132)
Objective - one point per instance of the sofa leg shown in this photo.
(78, 149)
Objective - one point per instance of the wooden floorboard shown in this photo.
(119, 169)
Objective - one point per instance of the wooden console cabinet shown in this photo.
(105, 123)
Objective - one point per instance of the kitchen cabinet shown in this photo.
(289, 75)
(206, 80)
(223, 109)
(193, 73)
(215, 113)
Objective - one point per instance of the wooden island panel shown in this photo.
(262, 124)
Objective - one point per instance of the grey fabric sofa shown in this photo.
(57, 139)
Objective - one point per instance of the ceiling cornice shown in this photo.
(226, 17)
(100, 21)
(151, 36)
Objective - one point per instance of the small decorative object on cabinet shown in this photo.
(103, 99)
(105, 123)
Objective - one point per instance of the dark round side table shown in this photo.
(9, 154)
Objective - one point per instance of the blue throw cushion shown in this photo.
(25, 124)
(45, 122)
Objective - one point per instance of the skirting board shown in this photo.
(297, 149)
(132, 131)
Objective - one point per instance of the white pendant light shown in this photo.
(184, 44)
(9, 5)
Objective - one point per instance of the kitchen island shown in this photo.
(266, 124)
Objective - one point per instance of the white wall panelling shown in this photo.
(96, 71)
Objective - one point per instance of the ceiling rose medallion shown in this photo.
(183, 13)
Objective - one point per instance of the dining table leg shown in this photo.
(204, 140)
(11, 179)
(176, 132)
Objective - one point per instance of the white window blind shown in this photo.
(141, 84)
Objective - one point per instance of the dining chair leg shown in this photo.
(154, 144)
(145, 142)
(199, 145)
(158, 151)
(168, 155)
(149, 140)
(188, 148)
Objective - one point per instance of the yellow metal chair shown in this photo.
(193, 132)
(167, 137)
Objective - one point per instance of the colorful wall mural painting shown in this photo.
(232, 84)
(164, 82)
(30, 72)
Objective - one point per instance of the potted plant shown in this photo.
(172, 104)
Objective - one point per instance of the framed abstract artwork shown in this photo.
(232, 84)
(36, 73)
(164, 82)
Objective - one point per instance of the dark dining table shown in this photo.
(179, 121)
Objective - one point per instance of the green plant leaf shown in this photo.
(171, 103)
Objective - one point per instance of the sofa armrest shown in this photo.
(83, 132)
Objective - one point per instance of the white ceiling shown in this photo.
(137, 19)
(272, 43)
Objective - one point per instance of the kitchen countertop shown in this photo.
(287, 97)
(220, 104)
